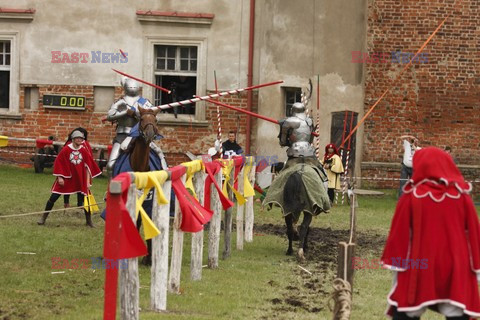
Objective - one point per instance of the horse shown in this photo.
(139, 157)
(289, 191)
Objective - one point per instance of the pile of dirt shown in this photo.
(309, 290)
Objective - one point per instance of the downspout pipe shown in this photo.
(251, 38)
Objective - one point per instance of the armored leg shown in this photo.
(160, 154)
(113, 157)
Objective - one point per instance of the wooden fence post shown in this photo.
(129, 282)
(215, 222)
(249, 214)
(240, 212)
(159, 270)
(227, 249)
(177, 249)
(197, 238)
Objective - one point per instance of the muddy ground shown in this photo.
(305, 291)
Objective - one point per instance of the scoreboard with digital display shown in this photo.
(63, 102)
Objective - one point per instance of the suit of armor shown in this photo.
(126, 113)
(296, 133)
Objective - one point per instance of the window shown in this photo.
(176, 69)
(292, 95)
(5, 56)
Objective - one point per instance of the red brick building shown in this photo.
(437, 100)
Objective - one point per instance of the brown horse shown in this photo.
(139, 154)
(139, 149)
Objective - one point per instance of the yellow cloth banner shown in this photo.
(3, 141)
(227, 170)
(248, 190)
(90, 204)
(146, 181)
(192, 168)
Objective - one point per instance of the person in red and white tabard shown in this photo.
(434, 243)
(74, 169)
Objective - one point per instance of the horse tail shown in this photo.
(292, 193)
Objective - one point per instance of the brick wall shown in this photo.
(437, 101)
(178, 139)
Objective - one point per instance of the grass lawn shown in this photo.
(259, 282)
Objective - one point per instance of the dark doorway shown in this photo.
(340, 121)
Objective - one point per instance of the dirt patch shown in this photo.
(311, 292)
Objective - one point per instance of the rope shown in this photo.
(55, 210)
(342, 298)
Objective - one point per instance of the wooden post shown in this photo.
(353, 218)
(346, 254)
(197, 238)
(129, 282)
(227, 249)
(177, 249)
(249, 214)
(159, 271)
(215, 222)
(346, 251)
(240, 212)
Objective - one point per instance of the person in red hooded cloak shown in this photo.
(434, 243)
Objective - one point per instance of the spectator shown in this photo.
(434, 243)
(334, 167)
(231, 147)
(74, 169)
(66, 197)
(409, 148)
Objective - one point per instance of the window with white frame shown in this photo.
(292, 95)
(175, 68)
(5, 65)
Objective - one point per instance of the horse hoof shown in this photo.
(300, 256)
(289, 252)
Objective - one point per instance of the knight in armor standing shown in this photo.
(126, 113)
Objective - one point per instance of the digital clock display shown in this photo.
(63, 102)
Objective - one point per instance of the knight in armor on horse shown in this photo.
(125, 112)
(299, 185)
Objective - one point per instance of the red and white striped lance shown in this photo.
(215, 95)
(219, 132)
(317, 122)
(346, 161)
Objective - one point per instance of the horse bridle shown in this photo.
(143, 128)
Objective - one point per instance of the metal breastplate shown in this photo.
(300, 139)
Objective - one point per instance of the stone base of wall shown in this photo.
(374, 172)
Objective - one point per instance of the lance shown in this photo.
(215, 95)
(140, 80)
(253, 114)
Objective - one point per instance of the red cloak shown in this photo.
(434, 240)
(72, 165)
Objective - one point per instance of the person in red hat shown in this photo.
(74, 168)
(434, 243)
(334, 167)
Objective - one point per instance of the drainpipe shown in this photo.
(251, 36)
